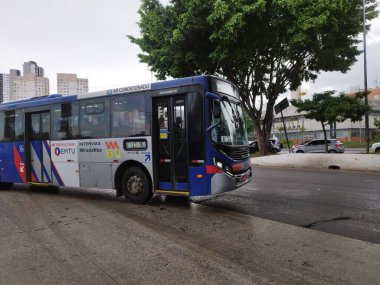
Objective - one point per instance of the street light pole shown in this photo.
(366, 119)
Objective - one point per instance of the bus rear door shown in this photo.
(37, 147)
(170, 141)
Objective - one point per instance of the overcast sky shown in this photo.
(88, 37)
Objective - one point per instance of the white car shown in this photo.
(375, 148)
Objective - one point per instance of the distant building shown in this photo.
(13, 73)
(4, 87)
(29, 86)
(32, 83)
(299, 128)
(31, 67)
(70, 84)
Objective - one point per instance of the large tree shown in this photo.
(326, 108)
(265, 47)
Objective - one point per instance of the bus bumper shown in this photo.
(222, 182)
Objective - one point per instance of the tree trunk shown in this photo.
(263, 135)
(325, 137)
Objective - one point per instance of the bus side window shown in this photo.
(19, 125)
(121, 123)
(130, 116)
(9, 128)
(94, 118)
(65, 121)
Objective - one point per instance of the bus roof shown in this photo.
(57, 98)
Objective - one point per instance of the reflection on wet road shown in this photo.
(342, 203)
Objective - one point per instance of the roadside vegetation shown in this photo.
(264, 47)
(328, 109)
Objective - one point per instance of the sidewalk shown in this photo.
(345, 161)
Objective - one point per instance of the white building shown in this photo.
(31, 67)
(29, 86)
(70, 84)
(299, 128)
(4, 87)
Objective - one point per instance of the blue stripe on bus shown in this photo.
(36, 145)
(56, 174)
(53, 168)
(181, 186)
(165, 185)
(47, 174)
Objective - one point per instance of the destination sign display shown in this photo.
(135, 144)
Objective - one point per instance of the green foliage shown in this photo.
(377, 123)
(248, 124)
(265, 47)
(326, 108)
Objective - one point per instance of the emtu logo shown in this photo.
(57, 151)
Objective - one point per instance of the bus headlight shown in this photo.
(222, 166)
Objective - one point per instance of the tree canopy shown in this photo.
(327, 109)
(265, 47)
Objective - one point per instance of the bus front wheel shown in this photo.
(135, 186)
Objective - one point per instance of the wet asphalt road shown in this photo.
(337, 202)
(86, 236)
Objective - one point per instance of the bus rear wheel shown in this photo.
(135, 186)
(5, 185)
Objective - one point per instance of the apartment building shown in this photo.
(29, 86)
(4, 87)
(70, 84)
(31, 67)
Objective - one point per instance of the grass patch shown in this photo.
(357, 144)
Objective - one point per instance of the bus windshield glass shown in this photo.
(229, 127)
(220, 86)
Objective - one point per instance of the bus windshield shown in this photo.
(229, 127)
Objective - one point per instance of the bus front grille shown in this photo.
(239, 153)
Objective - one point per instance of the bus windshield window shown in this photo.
(229, 128)
(220, 86)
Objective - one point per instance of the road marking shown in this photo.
(376, 230)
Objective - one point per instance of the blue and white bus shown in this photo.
(179, 137)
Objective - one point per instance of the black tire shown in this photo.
(332, 151)
(5, 185)
(135, 186)
(299, 151)
(377, 150)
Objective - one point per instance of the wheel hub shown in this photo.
(134, 185)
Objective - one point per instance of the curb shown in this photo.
(350, 162)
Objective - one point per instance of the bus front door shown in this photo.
(170, 141)
(37, 147)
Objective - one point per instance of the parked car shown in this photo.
(274, 146)
(334, 146)
(375, 148)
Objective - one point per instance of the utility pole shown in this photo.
(366, 119)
